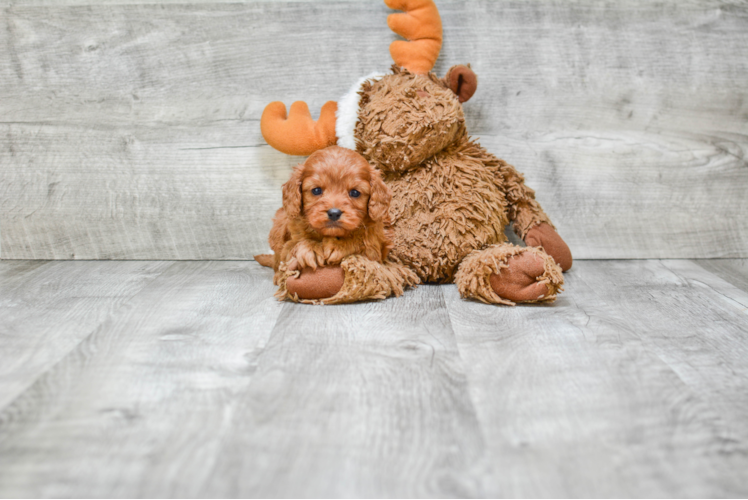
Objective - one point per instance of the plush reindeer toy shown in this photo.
(451, 199)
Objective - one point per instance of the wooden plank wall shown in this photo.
(130, 130)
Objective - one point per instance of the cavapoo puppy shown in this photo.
(334, 206)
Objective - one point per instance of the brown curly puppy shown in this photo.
(335, 206)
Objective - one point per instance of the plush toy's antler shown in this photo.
(422, 26)
(298, 134)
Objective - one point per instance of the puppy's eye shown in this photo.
(317, 191)
(354, 193)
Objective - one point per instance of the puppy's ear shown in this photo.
(380, 196)
(292, 192)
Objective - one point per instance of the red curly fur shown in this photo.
(304, 236)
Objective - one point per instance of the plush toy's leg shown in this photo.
(531, 223)
(362, 279)
(505, 274)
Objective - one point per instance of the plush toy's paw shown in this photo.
(518, 282)
(315, 284)
(543, 235)
(506, 274)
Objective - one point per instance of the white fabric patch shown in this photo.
(347, 114)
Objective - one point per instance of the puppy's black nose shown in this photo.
(334, 214)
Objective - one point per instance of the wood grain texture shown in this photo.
(734, 271)
(349, 401)
(140, 407)
(629, 118)
(49, 308)
(633, 384)
(58, 3)
(200, 384)
(132, 192)
(188, 393)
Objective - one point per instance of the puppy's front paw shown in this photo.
(304, 255)
(315, 284)
(293, 264)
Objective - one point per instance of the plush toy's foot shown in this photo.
(356, 279)
(315, 284)
(505, 274)
(518, 281)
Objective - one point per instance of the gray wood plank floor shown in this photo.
(132, 379)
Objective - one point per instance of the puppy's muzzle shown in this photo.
(334, 214)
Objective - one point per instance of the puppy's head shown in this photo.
(336, 191)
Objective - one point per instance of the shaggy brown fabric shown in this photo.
(459, 200)
(404, 119)
(483, 272)
(446, 209)
(524, 211)
(451, 197)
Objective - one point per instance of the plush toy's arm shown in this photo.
(524, 210)
(360, 279)
(531, 223)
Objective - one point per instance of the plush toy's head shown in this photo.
(405, 118)
(397, 120)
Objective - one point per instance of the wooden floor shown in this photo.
(158, 379)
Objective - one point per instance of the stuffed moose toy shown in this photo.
(451, 199)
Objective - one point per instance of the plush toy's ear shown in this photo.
(380, 196)
(462, 81)
(292, 193)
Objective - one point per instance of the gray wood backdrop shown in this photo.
(130, 130)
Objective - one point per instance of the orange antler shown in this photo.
(422, 26)
(298, 134)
